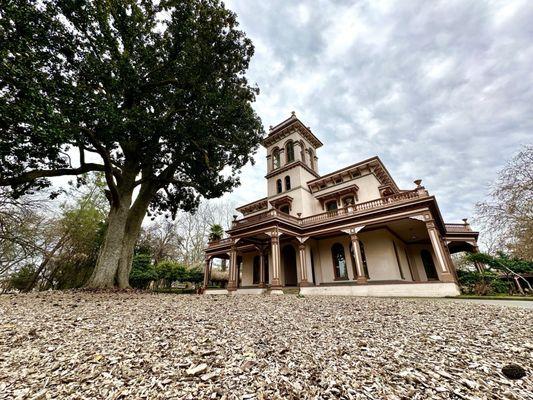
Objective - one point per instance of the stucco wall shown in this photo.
(431, 289)
(326, 261)
(379, 251)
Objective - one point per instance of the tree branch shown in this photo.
(49, 173)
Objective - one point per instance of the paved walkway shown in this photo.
(507, 303)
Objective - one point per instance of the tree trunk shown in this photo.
(106, 267)
(133, 228)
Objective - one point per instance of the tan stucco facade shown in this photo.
(349, 232)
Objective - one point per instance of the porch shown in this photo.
(398, 256)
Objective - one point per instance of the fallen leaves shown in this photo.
(121, 345)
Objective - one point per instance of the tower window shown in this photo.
(279, 186)
(287, 183)
(276, 159)
(289, 148)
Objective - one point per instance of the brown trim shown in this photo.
(386, 178)
(398, 260)
(286, 167)
(409, 264)
(284, 129)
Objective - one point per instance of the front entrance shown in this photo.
(289, 265)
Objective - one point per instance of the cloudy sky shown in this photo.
(440, 90)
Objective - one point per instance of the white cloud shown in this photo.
(441, 91)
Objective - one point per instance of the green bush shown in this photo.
(482, 283)
(142, 271)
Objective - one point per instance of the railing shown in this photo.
(220, 242)
(384, 201)
(458, 228)
(275, 214)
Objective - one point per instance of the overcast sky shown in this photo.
(439, 90)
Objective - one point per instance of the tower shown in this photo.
(291, 163)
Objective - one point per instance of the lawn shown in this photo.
(108, 345)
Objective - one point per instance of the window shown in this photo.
(285, 209)
(287, 183)
(347, 201)
(363, 257)
(256, 271)
(276, 160)
(356, 173)
(289, 148)
(311, 159)
(279, 186)
(429, 266)
(331, 206)
(339, 261)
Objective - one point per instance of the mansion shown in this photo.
(349, 232)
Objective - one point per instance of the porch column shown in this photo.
(303, 266)
(207, 272)
(232, 282)
(444, 268)
(276, 282)
(262, 283)
(361, 278)
(479, 266)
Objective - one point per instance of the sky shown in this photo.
(439, 90)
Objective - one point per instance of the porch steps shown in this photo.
(291, 290)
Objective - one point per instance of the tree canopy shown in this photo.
(151, 93)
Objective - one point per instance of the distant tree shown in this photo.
(156, 90)
(507, 215)
(216, 233)
(501, 263)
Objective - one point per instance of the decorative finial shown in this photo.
(234, 217)
(299, 215)
(418, 182)
(270, 127)
(465, 221)
(293, 114)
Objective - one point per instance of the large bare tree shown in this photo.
(507, 215)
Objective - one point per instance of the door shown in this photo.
(289, 266)
(429, 265)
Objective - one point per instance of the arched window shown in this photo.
(339, 261)
(279, 186)
(429, 266)
(256, 270)
(311, 159)
(363, 257)
(289, 149)
(276, 159)
(331, 205)
(287, 182)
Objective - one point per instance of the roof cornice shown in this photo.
(286, 127)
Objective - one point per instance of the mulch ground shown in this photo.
(161, 346)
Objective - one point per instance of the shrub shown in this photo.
(142, 271)
(482, 283)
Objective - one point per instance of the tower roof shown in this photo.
(284, 129)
